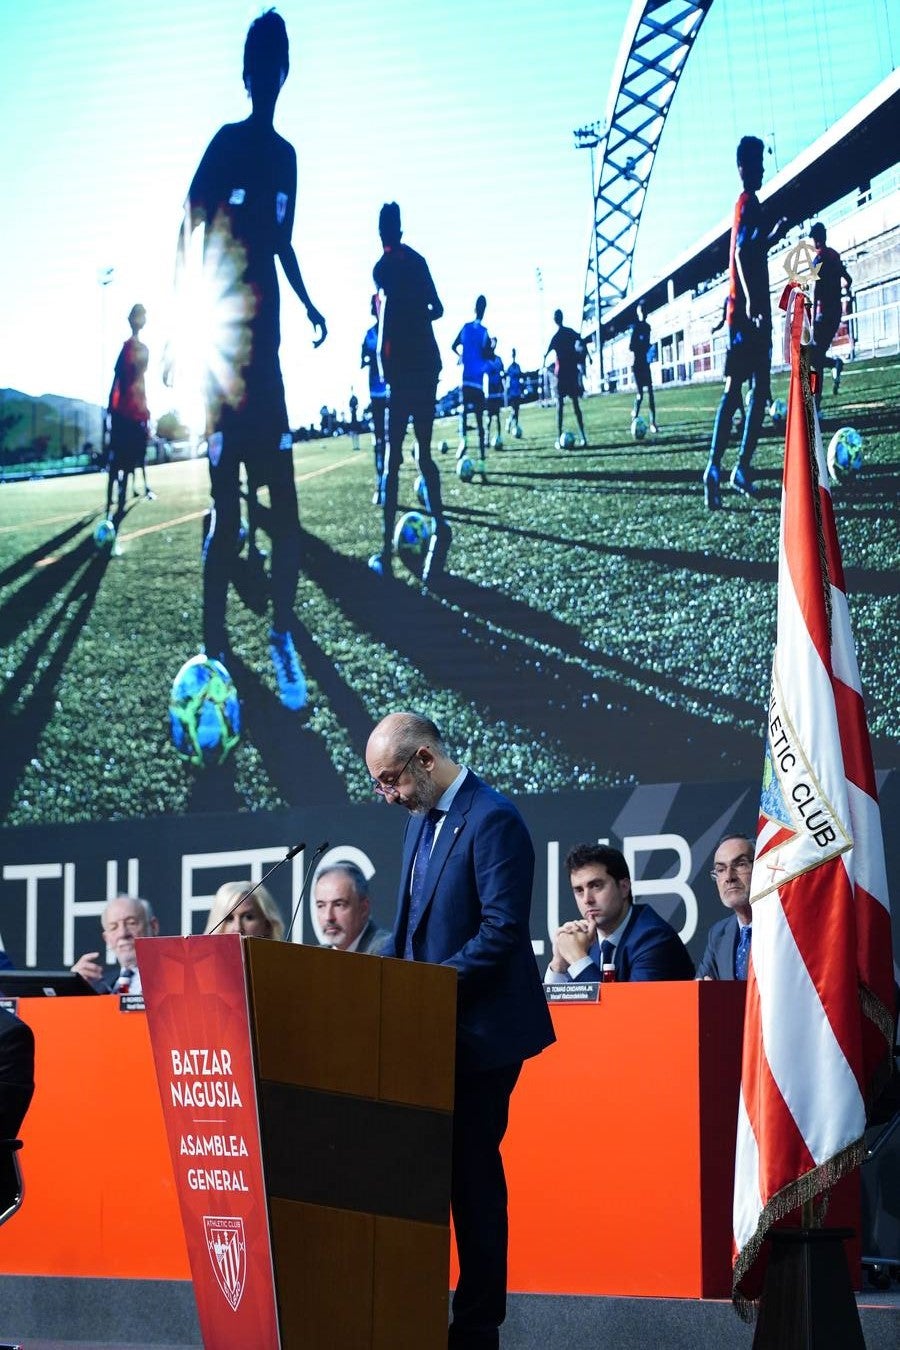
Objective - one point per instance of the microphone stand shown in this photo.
(306, 876)
(291, 853)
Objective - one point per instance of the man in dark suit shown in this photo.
(613, 930)
(464, 902)
(16, 1073)
(728, 942)
(341, 904)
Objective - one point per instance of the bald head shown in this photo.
(406, 757)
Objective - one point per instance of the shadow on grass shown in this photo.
(23, 565)
(295, 758)
(593, 717)
(21, 610)
(860, 501)
(213, 789)
(23, 726)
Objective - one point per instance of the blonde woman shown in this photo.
(255, 916)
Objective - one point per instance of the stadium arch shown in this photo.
(656, 42)
(850, 176)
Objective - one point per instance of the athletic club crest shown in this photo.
(798, 827)
(228, 1254)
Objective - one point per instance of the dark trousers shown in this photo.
(478, 1199)
(379, 422)
(825, 327)
(413, 399)
(275, 468)
(748, 359)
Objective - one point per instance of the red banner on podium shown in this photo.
(195, 994)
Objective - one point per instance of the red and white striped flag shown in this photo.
(818, 1029)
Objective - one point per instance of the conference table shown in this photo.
(619, 1153)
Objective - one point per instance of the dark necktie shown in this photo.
(607, 953)
(123, 983)
(420, 871)
(742, 955)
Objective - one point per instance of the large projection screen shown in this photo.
(600, 646)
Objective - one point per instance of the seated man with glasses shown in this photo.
(728, 944)
(124, 919)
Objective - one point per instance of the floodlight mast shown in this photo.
(589, 138)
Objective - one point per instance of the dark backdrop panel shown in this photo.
(668, 831)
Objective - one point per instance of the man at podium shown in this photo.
(464, 901)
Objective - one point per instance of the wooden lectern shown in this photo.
(307, 1097)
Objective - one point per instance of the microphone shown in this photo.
(291, 853)
(306, 875)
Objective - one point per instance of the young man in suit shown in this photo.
(464, 902)
(341, 902)
(728, 942)
(613, 930)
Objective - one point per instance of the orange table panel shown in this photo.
(99, 1190)
(620, 1149)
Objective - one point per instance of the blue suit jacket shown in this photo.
(649, 949)
(721, 944)
(475, 918)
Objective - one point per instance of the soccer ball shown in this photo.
(566, 440)
(421, 491)
(778, 412)
(638, 428)
(517, 432)
(845, 454)
(412, 533)
(204, 712)
(497, 442)
(105, 534)
(465, 469)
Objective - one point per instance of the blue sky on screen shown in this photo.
(462, 113)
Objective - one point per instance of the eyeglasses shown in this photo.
(739, 865)
(387, 787)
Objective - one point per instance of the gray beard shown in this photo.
(427, 792)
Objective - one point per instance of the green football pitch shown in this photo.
(598, 625)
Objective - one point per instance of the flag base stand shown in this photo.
(807, 1300)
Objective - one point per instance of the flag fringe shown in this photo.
(811, 1186)
(873, 1008)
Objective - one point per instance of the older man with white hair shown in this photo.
(124, 919)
